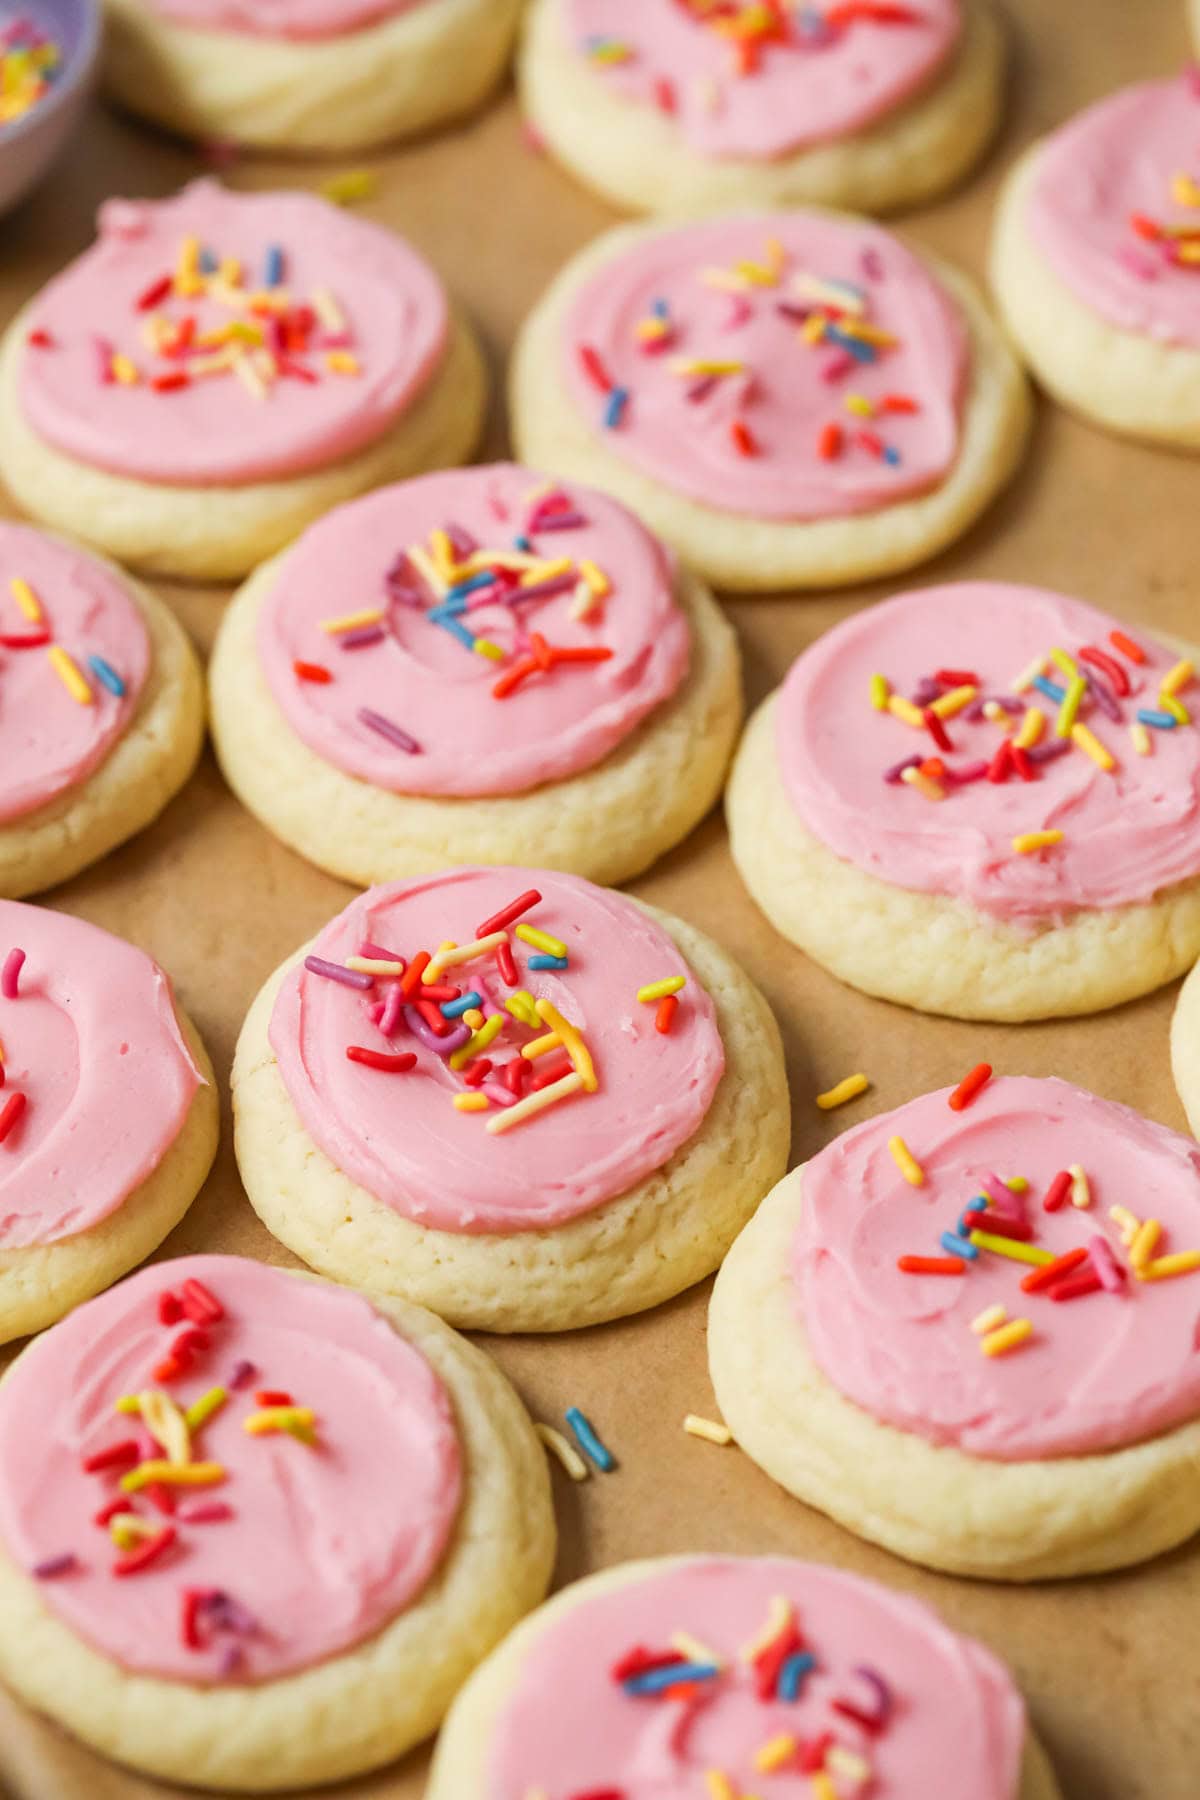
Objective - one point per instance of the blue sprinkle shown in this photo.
(106, 675)
(958, 1246)
(891, 454)
(452, 1009)
(438, 617)
(654, 1681)
(660, 309)
(461, 589)
(791, 1677)
(863, 353)
(449, 606)
(273, 267)
(589, 1443)
(1050, 688)
(547, 962)
(614, 409)
(1164, 721)
(523, 543)
(207, 262)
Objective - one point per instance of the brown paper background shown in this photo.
(1110, 1666)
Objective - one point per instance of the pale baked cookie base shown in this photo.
(932, 951)
(607, 823)
(396, 78)
(1122, 380)
(934, 1504)
(645, 1245)
(221, 533)
(1185, 1048)
(41, 1282)
(460, 1764)
(143, 771)
(359, 1709)
(635, 156)
(752, 555)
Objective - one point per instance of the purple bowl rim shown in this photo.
(77, 72)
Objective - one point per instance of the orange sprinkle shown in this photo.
(969, 1086)
(668, 1006)
(1127, 647)
(743, 438)
(931, 1265)
(829, 441)
(311, 672)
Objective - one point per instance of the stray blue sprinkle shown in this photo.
(273, 267)
(614, 408)
(453, 1009)
(588, 1442)
(207, 262)
(547, 962)
(891, 454)
(523, 543)
(107, 676)
(791, 1676)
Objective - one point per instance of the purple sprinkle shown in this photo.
(360, 638)
(927, 691)
(227, 1614)
(542, 590)
(316, 965)
(794, 310)
(464, 543)
(558, 521)
(700, 390)
(872, 265)
(1041, 753)
(393, 733)
(883, 1693)
(404, 584)
(444, 1046)
(50, 1566)
(242, 1374)
(230, 1659)
(837, 367)
(204, 1512)
(893, 774)
(1103, 697)
(969, 772)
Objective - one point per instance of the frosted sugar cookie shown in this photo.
(789, 399)
(324, 75)
(108, 1112)
(220, 368)
(1096, 261)
(981, 800)
(966, 1331)
(524, 1101)
(524, 674)
(738, 1675)
(1185, 1047)
(103, 713)
(682, 105)
(256, 1529)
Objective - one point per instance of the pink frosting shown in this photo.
(952, 1704)
(812, 82)
(1102, 209)
(399, 1135)
(1100, 1371)
(50, 742)
(91, 1041)
(390, 317)
(323, 1544)
(303, 20)
(1128, 834)
(421, 675)
(786, 399)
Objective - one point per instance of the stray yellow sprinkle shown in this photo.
(1145, 1243)
(67, 671)
(1163, 1267)
(299, 1420)
(342, 362)
(906, 1162)
(128, 1403)
(352, 185)
(473, 1017)
(658, 990)
(541, 940)
(859, 405)
(998, 1343)
(711, 1430)
(880, 692)
(990, 1319)
(848, 1763)
(166, 1425)
(1087, 741)
(900, 708)
(125, 371)
(193, 1474)
(369, 615)
(775, 1752)
(1140, 738)
(1029, 841)
(485, 647)
(451, 954)
(1177, 677)
(540, 1046)
(1016, 1184)
(719, 1786)
(823, 1787)
(471, 1102)
(947, 705)
(1081, 1193)
(563, 1450)
(521, 1006)
(994, 713)
(849, 1089)
(534, 1103)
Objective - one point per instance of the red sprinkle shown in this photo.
(479, 1070)
(936, 729)
(1003, 1224)
(744, 441)
(434, 1017)
(14, 1106)
(953, 678)
(870, 1722)
(769, 1662)
(1075, 1286)
(1022, 764)
(272, 1397)
(1049, 1273)
(311, 672)
(441, 991)
(506, 965)
(811, 1756)
(544, 1077)
(664, 95)
(146, 1553)
(32, 640)
(1100, 659)
(664, 1015)
(1127, 647)
(158, 290)
(969, 1086)
(123, 1454)
(40, 339)
(515, 1074)
(118, 1503)
(594, 369)
(174, 378)
(378, 1059)
(900, 403)
(1144, 227)
(160, 1496)
(168, 1369)
(189, 1630)
(170, 1308)
(1058, 1190)
(930, 1265)
(514, 675)
(829, 442)
(500, 921)
(201, 1306)
(639, 1661)
(998, 768)
(870, 441)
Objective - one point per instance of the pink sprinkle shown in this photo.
(393, 1005)
(10, 975)
(700, 390)
(837, 367)
(205, 1512)
(498, 1093)
(1109, 1271)
(872, 265)
(532, 138)
(377, 953)
(969, 772)
(740, 312)
(104, 356)
(1136, 263)
(1001, 1196)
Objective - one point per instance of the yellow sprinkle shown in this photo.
(849, 1089)
(1010, 1247)
(1087, 741)
(880, 692)
(859, 405)
(461, 953)
(1029, 841)
(1067, 664)
(697, 365)
(947, 705)
(124, 371)
(1064, 724)
(369, 615)
(719, 1786)
(351, 185)
(166, 1425)
(812, 287)
(128, 1403)
(1177, 710)
(780, 1614)
(1025, 679)
(573, 1044)
(535, 1103)
(583, 602)
(478, 1042)
(485, 647)
(997, 1343)
(848, 1763)
(925, 784)
(900, 708)
(374, 965)
(598, 583)
(521, 1006)
(128, 1529)
(546, 571)
(658, 990)
(442, 551)
(994, 713)
(988, 1320)
(906, 1162)
(1145, 1243)
(867, 333)
(1140, 738)
(813, 328)
(473, 1017)
(1177, 677)
(541, 940)
(541, 1046)
(775, 1752)
(192, 1474)
(1184, 191)
(249, 377)
(67, 670)
(1129, 1223)
(27, 600)
(696, 1650)
(709, 1429)
(471, 1102)
(1163, 1267)
(822, 1786)
(1081, 1193)
(201, 1410)
(279, 1418)
(342, 362)
(565, 1451)
(1016, 1184)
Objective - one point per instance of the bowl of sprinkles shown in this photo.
(47, 59)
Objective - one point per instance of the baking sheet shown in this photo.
(1110, 1666)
